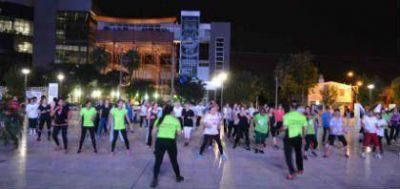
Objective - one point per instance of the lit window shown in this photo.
(5, 26)
(22, 27)
(24, 47)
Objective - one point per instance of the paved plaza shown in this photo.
(37, 166)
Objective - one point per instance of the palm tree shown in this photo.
(131, 62)
(100, 58)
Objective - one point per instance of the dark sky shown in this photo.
(349, 28)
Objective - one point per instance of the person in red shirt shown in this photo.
(278, 115)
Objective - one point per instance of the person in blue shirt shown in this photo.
(130, 114)
(326, 118)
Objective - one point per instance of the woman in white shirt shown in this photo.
(370, 127)
(382, 124)
(212, 122)
(337, 130)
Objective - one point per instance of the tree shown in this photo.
(242, 87)
(395, 87)
(100, 58)
(189, 89)
(140, 86)
(296, 75)
(131, 62)
(329, 95)
(14, 81)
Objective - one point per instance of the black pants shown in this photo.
(311, 140)
(394, 132)
(288, 145)
(149, 134)
(168, 145)
(115, 137)
(387, 136)
(230, 128)
(198, 121)
(64, 130)
(325, 134)
(142, 118)
(42, 121)
(242, 132)
(207, 139)
(92, 136)
(32, 122)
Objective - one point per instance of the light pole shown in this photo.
(25, 71)
(222, 77)
(370, 88)
(60, 78)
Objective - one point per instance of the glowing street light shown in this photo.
(96, 94)
(156, 95)
(350, 74)
(25, 71)
(78, 94)
(60, 78)
(359, 83)
(146, 97)
(370, 88)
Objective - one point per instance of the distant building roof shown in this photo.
(136, 20)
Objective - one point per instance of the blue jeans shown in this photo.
(102, 125)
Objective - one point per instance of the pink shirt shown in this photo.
(279, 115)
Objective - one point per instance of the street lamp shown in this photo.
(60, 78)
(218, 81)
(350, 74)
(25, 71)
(370, 88)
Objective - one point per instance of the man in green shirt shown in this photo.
(87, 114)
(261, 127)
(117, 117)
(294, 123)
(167, 128)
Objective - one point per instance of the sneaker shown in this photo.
(224, 157)
(186, 144)
(79, 151)
(256, 151)
(261, 151)
(347, 156)
(38, 139)
(300, 172)
(378, 156)
(180, 179)
(363, 155)
(95, 151)
(154, 183)
(314, 154)
(305, 157)
(290, 176)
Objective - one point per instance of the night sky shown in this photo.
(361, 30)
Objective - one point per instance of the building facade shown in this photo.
(16, 34)
(66, 31)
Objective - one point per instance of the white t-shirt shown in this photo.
(32, 111)
(370, 124)
(213, 122)
(143, 110)
(382, 124)
(178, 111)
(336, 126)
(251, 111)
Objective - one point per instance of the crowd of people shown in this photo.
(248, 126)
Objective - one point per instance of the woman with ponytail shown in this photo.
(166, 128)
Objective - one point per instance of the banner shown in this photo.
(53, 91)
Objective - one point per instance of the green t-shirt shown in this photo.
(168, 128)
(119, 118)
(295, 122)
(387, 116)
(310, 127)
(88, 115)
(261, 123)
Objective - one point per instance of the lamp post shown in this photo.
(25, 71)
(60, 78)
(370, 88)
(222, 77)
